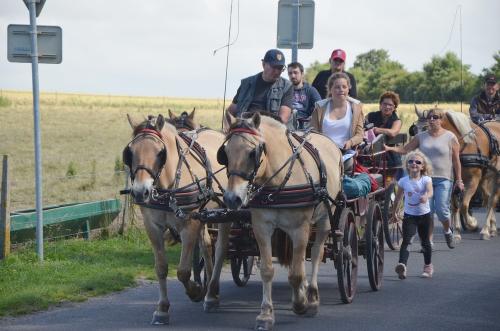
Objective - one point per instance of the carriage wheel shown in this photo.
(393, 231)
(241, 269)
(347, 257)
(374, 235)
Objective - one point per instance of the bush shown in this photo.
(4, 102)
(71, 171)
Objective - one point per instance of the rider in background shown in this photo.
(442, 148)
(340, 117)
(486, 105)
(387, 122)
(304, 95)
(337, 64)
(417, 190)
(266, 91)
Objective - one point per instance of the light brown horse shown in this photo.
(255, 151)
(479, 170)
(153, 159)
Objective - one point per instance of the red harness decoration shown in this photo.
(151, 131)
(244, 130)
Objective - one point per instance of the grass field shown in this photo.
(74, 270)
(83, 137)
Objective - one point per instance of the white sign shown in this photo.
(49, 43)
(285, 24)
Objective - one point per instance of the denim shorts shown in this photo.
(440, 201)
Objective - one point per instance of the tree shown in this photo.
(313, 70)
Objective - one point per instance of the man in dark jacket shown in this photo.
(265, 91)
(337, 63)
(486, 105)
(304, 95)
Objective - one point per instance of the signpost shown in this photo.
(295, 25)
(19, 51)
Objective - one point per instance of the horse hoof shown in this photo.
(196, 294)
(264, 324)
(458, 238)
(485, 236)
(493, 233)
(312, 309)
(210, 306)
(160, 318)
(300, 308)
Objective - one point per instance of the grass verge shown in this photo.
(75, 270)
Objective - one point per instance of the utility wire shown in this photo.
(451, 31)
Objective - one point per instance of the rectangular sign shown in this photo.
(305, 27)
(49, 43)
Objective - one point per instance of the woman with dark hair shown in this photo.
(386, 121)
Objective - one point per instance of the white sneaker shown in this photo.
(401, 271)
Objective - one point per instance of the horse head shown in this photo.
(243, 154)
(183, 122)
(146, 155)
(421, 124)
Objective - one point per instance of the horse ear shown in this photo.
(256, 120)
(419, 113)
(170, 114)
(191, 115)
(133, 122)
(160, 122)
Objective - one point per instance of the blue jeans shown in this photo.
(440, 201)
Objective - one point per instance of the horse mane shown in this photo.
(462, 124)
(268, 118)
(150, 123)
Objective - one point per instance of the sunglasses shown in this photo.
(414, 161)
(434, 117)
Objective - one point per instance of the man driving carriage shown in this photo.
(486, 105)
(266, 91)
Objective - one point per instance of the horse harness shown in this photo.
(179, 200)
(479, 159)
(282, 196)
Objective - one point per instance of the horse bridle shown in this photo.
(259, 149)
(127, 155)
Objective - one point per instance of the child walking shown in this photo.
(417, 189)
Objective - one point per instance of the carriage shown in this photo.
(359, 226)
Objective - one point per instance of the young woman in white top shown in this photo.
(417, 190)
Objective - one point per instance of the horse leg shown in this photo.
(263, 232)
(212, 296)
(207, 251)
(155, 233)
(297, 272)
(189, 236)
(489, 228)
(317, 250)
(455, 218)
(471, 186)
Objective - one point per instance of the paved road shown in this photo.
(463, 295)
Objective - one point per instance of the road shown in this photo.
(464, 294)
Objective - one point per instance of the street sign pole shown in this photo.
(295, 30)
(36, 116)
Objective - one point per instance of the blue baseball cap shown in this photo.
(274, 57)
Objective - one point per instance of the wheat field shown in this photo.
(83, 137)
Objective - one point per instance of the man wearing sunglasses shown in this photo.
(337, 64)
(266, 91)
(486, 105)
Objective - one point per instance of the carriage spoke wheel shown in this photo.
(347, 257)
(374, 236)
(393, 231)
(241, 269)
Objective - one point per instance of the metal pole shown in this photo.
(5, 210)
(295, 30)
(38, 145)
(227, 62)
(461, 65)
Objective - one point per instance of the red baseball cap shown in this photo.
(338, 54)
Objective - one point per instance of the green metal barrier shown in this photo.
(64, 220)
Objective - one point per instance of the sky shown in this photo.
(166, 48)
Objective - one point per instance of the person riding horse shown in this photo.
(486, 105)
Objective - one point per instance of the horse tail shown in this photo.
(282, 247)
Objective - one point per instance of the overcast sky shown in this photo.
(165, 47)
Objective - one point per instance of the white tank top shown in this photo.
(338, 130)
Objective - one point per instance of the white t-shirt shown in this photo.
(339, 131)
(414, 189)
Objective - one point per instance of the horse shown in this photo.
(171, 176)
(257, 152)
(183, 122)
(480, 164)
